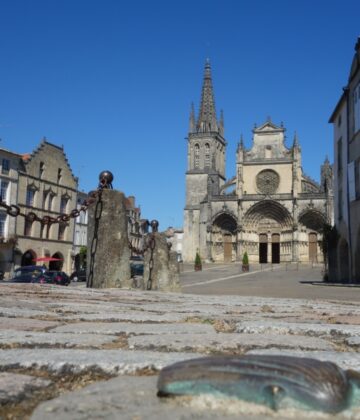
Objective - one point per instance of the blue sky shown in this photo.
(113, 81)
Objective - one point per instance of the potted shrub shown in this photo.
(198, 265)
(245, 262)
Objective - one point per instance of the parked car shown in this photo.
(27, 274)
(79, 275)
(55, 277)
(136, 265)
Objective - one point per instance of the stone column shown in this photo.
(111, 266)
(164, 272)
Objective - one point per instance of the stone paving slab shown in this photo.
(134, 398)
(225, 341)
(346, 360)
(76, 361)
(15, 387)
(314, 329)
(126, 316)
(21, 338)
(24, 324)
(132, 328)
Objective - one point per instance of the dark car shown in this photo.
(79, 275)
(55, 277)
(136, 266)
(27, 274)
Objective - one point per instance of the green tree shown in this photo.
(245, 259)
(197, 259)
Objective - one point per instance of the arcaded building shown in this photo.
(269, 208)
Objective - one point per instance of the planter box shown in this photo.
(198, 267)
(245, 267)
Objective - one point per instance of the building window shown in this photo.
(5, 168)
(30, 195)
(28, 227)
(50, 202)
(63, 204)
(59, 175)
(197, 156)
(207, 155)
(43, 231)
(4, 191)
(357, 108)
(44, 200)
(62, 232)
(41, 169)
(2, 223)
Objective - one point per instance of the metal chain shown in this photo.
(15, 211)
(94, 242)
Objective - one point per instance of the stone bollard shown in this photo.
(111, 266)
(165, 272)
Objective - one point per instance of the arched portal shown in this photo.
(273, 224)
(224, 228)
(313, 220)
(28, 258)
(57, 265)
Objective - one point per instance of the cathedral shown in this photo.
(269, 208)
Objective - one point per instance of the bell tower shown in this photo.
(205, 173)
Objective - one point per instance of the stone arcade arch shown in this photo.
(57, 265)
(223, 234)
(268, 230)
(28, 258)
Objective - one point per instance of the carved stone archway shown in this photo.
(271, 220)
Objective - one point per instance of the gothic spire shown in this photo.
(192, 124)
(207, 114)
(296, 140)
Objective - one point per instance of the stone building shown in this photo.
(80, 233)
(346, 123)
(10, 163)
(47, 187)
(270, 208)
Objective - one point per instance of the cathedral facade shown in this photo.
(270, 208)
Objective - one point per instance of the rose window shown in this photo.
(267, 181)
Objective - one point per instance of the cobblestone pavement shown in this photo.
(77, 353)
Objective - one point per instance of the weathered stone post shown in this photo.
(161, 264)
(108, 220)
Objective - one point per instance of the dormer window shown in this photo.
(5, 168)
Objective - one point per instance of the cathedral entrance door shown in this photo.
(313, 247)
(227, 248)
(275, 248)
(263, 247)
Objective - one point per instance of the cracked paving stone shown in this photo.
(14, 387)
(280, 327)
(346, 360)
(38, 339)
(132, 328)
(225, 341)
(24, 324)
(77, 361)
